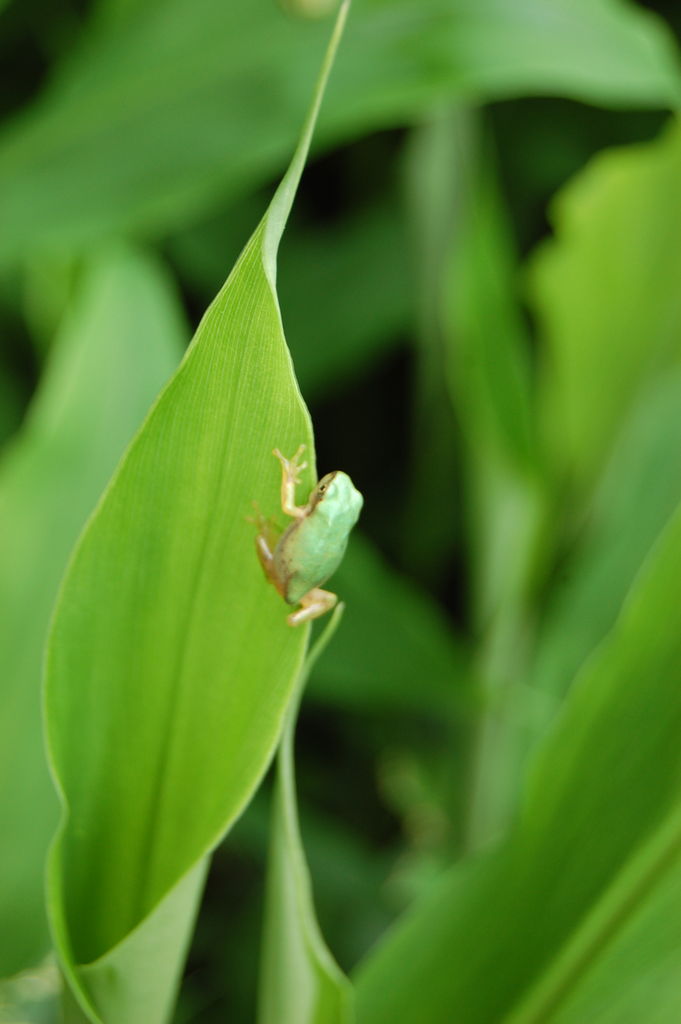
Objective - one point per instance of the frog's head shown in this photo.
(336, 499)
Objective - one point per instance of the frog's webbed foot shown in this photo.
(317, 602)
(290, 478)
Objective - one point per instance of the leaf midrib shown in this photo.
(631, 887)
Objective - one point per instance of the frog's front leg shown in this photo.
(317, 602)
(290, 477)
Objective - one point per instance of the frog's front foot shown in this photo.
(318, 602)
(291, 468)
(290, 478)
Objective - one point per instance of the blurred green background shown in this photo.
(498, 540)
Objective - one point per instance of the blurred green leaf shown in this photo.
(488, 347)
(639, 976)
(638, 493)
(48, 284)
(432, 192)
(170, 663)
(120, 341)
(396, 650)
(351, 275)
(31, 997)
(477, 356)
(487, 357)
(606, 292)
(597, 842)
(11, 405)
(300, 981)
(168, 107)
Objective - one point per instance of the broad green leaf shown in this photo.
(120, 341)
(597, 843)
(606, 292)
(168, 106)
(639, 975)
(396, 650)
(300, 981)
(638, 493)
(170, 664)
(136, 981)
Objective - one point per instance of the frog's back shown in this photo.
(318, 553)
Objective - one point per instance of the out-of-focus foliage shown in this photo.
(168, 105)
(606, 295)
(597, 839)
(479, 289)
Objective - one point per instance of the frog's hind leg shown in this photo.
(317, 602)
(265, 543)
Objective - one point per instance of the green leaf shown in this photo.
(300, 981)
(596, 846)
(170, 663)
(168, 106)
(606, 292)
(638, 493)
(120, 341)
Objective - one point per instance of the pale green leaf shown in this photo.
(31, 997)
(170, 662)
(168, 106)
(120, 341)
(597, 839)
(300, 981)
(126, 979)
(606, 292)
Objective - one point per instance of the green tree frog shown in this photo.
(302, 557)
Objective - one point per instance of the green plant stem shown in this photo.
(506, 725)
(496, 743)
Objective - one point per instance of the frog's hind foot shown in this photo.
(318, 602)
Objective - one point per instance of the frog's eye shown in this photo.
(322, 488)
